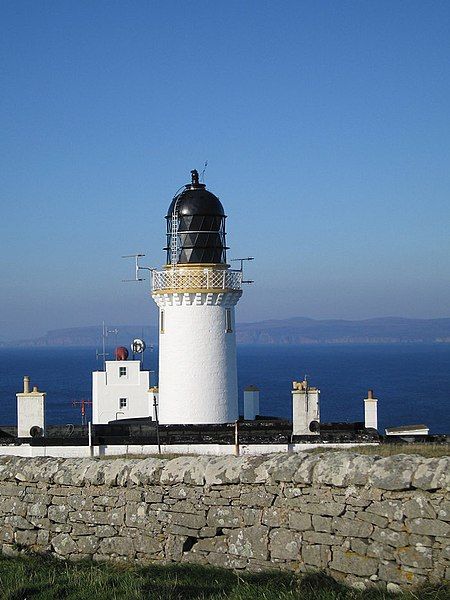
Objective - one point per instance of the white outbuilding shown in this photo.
(121, 391)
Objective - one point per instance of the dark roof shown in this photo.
(407, 427)
(196, 200)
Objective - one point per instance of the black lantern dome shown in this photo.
(196, 226)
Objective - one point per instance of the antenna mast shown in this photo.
(241, 261)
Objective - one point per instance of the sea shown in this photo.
(411, 382)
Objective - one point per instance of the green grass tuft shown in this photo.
(44, 578)
(425, 450)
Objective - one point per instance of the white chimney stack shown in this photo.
(370, 411)
(251, 403)
(30, 410)
(305, 409)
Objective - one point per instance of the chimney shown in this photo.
(370, 411)
(26, 385)
(251, 403)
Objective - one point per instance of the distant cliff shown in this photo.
(389, 330)
(295, 331)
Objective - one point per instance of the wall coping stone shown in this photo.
(336, 469)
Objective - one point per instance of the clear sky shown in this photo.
(326, 127)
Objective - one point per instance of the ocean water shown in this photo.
(411, 382)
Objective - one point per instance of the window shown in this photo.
(161, 322)
(122, 402)
(228, 321)
(122, 371)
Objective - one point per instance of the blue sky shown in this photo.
(326, 127)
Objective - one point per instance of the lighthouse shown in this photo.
(196, 293)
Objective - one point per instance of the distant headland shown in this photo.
(293, 331)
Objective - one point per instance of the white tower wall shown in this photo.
(197, 357)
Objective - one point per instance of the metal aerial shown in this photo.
(241, 261)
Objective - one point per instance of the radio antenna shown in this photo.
(241, 261)
(138, 267)
(203, 172)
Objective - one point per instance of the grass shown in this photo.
(426, 450)
(45, 578)
(136, 456)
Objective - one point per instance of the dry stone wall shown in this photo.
(363, 519)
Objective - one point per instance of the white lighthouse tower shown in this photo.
(196, 293)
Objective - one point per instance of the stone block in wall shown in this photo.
(275, 516)
(193, 521)
(147, 544)
(258, 498)
(112, 517)
(323, 524)
(184, 492)
(419, 506)
(63, 544)
(252, 516)
(251, 542)
(340, 469)
(38, 509)
(82, 529)
(304, 472)
(13, 505)
(6, 534)
(175, 470)
(225, 516)
(332, 509)
(102, 531)
(419, 557)
(285, 544)
(225, 561)
(432, 527)
(186, 506)
(173, 547)
(117, 546)
(58, 513)
(391, 509)
(278, 470)
(316, 556)
(18, 522)
(88, 544)
(25, 537)
(372, 518)
(12, 489)
(394, 472)
(443, 511)
(181, 530)
(394, 573)
(350, 562)
(327, 539)
(136, 514)
(71, 472)
(146, 471)
(300, 521)
(152, 496)
(223, 470)
(352, 527)
(109, 501)
(390, 537)
(216, 501)
(432, 474)
(216, 544)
